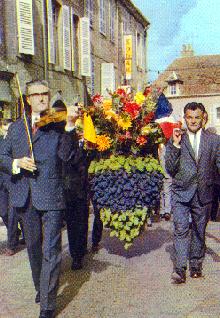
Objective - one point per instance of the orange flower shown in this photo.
(103, 142)
(107, 104)
(141, 140)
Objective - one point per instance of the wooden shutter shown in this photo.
(25, 26)
(50, 26)
(107, 78)
(72, 33)
(66, 38)
(85, 55)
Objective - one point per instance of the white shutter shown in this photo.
(25, 26)
(85, 56)
(72, 31)
(66, 38)
(107, 78)
(50, 26)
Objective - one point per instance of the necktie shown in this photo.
(34, 129)
(195, 145)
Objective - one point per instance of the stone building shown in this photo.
(78, 46)
(193, 78)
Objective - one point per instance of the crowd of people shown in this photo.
(44, 180)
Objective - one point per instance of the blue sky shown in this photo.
(178, 22)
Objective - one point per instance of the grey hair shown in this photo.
(36, 82)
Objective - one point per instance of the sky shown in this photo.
(177, 22)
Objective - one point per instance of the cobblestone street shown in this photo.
(116, 283)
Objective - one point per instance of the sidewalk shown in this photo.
(118, 284)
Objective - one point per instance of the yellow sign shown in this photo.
(128, 56)
(128, 47)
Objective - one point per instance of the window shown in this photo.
(25, 27)
(1, 25)
(75, 45)
(112, 12)
(173, 89)
(56, 11)
(139, 51)
(218, 113)
(103, 16)
(90, 11)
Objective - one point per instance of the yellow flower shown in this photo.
(146, 130)
(124, 123)
(103, 142)
(109, 114)
(107, 104)
(139, 98)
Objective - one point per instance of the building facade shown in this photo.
(192, 78)
(78, 46)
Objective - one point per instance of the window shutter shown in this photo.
(85, 56)
(72, 31)
(25, 26)
(66, 38)
(50, 26)
(107, 78)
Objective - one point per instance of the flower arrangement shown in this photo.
(123, 124)
(125, 178)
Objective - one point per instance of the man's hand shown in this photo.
(72, 116)
(177, 135)
(27, 164)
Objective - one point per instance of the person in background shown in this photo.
(7, 212)
(75, 174)
(36, 189)
(191, 160)
(165, 203)
(216, 193)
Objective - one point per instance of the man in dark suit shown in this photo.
(191, 160)
(36, 190)
(7, 213)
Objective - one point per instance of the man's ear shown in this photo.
(28, 100)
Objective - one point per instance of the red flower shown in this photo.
(123, 138)
(97, 98)
(147, 91)
(121, 92)
(147, 119)
(141, 140)
(132, 109)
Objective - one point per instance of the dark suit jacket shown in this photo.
(4, 186)
(190, 175)
(75, 174)
(50, 148)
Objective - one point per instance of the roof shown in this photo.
(136, 12)
(200, 74)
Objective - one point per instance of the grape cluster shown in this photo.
(121, 191)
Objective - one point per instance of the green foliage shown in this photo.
(129, 164)
(124, 225)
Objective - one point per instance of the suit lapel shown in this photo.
(37, 135)
(188, 145)
(202, 144)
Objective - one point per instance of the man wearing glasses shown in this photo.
(191, 160)
(37, 192)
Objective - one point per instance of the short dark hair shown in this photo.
(194, 106)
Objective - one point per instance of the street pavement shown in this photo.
(116, 283)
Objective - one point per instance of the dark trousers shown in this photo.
(4, 205)
(13, 231)
(215, 202)
(42, 231)
(186, 246)
(97, 227)
(77, 214)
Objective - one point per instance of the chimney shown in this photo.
(187, 50)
